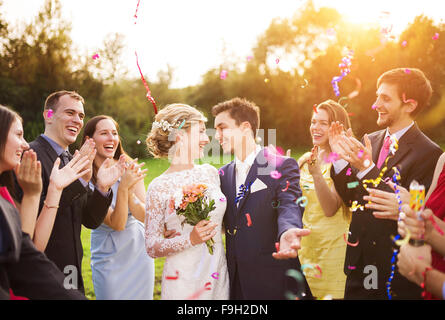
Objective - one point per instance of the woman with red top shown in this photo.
(425, 265)
(22, 267)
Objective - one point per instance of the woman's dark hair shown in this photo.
(7, 117)
(90, 129)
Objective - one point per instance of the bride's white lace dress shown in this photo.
(191, 267)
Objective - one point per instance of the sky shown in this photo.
(191, 35)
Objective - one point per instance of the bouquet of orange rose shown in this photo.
(193, 203)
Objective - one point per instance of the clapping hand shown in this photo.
(290, 243)
(29, 174)
(88, 150)
(109, 172)
(76, 168)
(133, 174)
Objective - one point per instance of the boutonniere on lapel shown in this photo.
(243, 191)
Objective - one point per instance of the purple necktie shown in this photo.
(384, 152)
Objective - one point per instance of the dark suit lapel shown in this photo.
(404, 143)
(51, 153)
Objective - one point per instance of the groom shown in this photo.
(261, 210)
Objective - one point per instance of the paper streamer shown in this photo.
(149, 97)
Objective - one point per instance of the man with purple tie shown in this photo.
(401, 95)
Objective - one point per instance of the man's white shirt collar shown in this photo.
(249, 159)
(399, 133)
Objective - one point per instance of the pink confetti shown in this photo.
(404, 43)
(350, 243)
(50, 113)
(277, 246)
(374, 107)
(348, 172)
(287, 186)
(223, 74)
(149, 97)
(360, 154)
(436, 36)
(277, 61)
(96, 56)
(221, 172)
(249, 58)
(200, 291)
(351, 267)
(275, 174)
(249, 221)
(222, 199)
(136, 13)
(332, 157)
(215, 275)
(408, 71)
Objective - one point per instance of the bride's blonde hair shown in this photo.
(174, 116)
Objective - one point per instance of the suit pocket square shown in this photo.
(257, 186)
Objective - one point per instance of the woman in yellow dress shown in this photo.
(322, 253)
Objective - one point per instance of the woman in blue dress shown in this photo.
(121, 268)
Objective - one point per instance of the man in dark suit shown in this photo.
(401, 95)
(64, 114)
(23, 268)
(262, 213)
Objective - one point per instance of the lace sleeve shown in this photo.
(155, 243)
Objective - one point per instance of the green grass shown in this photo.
(155, 168)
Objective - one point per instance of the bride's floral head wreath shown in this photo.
(167, 126)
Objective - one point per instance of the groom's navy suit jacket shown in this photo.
(272, 211)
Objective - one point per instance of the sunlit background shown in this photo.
(196, 35)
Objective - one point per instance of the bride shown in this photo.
(190, 271)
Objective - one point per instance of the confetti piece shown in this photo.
(249, 58)
(404, 240)
(438, 229)
(223, 74)
(277, 61)
(277, 246)
(138, 142)
(277, 204)
(332, 157)
(275, 174)
(181, 125)
(306, 187)
(348, 172)
(287, 186)
(149, 97)
(404, 43)
(436, 36)
(351, 267)
(306, 265)
(96, 56)
(374, 107)
(50, 113)
(408, 71)
(198, 293)
(355, 206)
(314, 107)
(302, 201)
(360, 154)
(319, 269)
(306, 83)
(222, 199)
(136, 13)
(173, 277)
(249, 221)
(350, 243)
(266, 80)
(352, 185)
(215, 275)
(221, 172)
